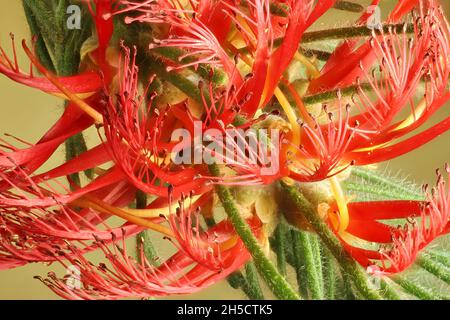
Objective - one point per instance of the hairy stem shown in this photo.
(276, 282)
(352, 32)
(329, 239)
(143, 240)
(332, 95)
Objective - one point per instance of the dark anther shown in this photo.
(249, 76)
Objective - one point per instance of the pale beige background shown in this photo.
(27, 113)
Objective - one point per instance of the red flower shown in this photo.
(73, 119)
(329, 146)
(139, 140)
(202, 37)
(34, 223)
(203, 258)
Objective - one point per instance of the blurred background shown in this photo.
(28, 113)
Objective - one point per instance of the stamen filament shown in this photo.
(413, 117)
(154, 213)
(92, 203)
(292, 117)
(300, 105)
(96, 204)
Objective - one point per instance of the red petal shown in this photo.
(387, 153)
(372, 231)
(384, 210)
(83, 83)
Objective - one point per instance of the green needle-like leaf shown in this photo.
(251, 274)
(415, 289)
(310, 272)
(280, 247)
